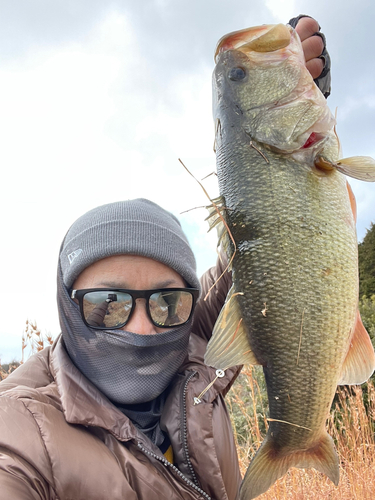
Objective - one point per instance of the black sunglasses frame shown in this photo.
(135, 294)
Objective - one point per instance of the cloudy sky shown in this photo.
(99, 99)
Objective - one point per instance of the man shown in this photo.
(122, 405)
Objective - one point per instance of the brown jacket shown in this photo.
(60, 438)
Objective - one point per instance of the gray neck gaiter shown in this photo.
(127, 368)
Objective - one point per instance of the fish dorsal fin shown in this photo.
(358, 167)
(215, 219)
(229, 345)
(359, 363)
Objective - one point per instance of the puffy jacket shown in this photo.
(61, 438)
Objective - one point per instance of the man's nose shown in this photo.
(140, 322)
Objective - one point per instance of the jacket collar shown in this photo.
(83, 404)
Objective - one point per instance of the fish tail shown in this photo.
(268, 465)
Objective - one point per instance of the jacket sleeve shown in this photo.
(19, 480)
(215, 283)
(25, 471)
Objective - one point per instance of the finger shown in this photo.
(306, 27)
(315, 67)
(312, 47)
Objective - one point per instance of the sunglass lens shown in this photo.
(106, 309)
(170, 308)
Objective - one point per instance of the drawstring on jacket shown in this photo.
(219, 374)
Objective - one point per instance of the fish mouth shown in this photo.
(266, 38)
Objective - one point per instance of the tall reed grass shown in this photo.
(33, 341)
(351, 424)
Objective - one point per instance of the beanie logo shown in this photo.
(74, 255)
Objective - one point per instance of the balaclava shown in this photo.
(127, 367)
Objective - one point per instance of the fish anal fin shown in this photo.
(359, 363)
(358, 167)
(269, 464)
(229, 345)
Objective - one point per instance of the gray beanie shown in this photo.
(134, 227)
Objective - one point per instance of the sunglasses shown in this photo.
(109, 308)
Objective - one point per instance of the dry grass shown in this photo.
(351, 424)
(33, 341)
(3, 373)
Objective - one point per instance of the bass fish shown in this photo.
(286, 218)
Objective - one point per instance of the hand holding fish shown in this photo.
(317, 59)
(312, 45)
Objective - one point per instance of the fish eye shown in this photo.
(236, 74)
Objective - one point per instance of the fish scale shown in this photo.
(293, 304)
(286, 269)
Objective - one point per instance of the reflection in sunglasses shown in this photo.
(113, 308)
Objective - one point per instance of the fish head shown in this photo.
(262, 87)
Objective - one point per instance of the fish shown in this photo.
(286, 219)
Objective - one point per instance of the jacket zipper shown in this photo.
(187, 456)
(184, 429)
(174, 468)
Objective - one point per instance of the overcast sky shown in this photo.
(99, 99)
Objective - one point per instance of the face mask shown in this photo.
(126, 367)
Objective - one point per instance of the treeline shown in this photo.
(366, 267)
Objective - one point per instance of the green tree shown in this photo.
(367, 310)
(366, 264)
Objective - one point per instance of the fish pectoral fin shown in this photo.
(229, 345)
(269, 464)
(359, 363)
(358, 167)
